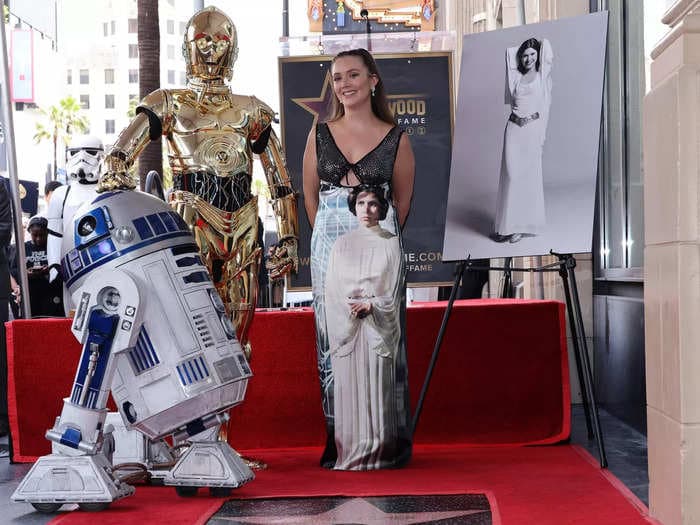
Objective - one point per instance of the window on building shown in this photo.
(171, 76)
(170, 27)
(109, 101)
(109, 127)
(133, 76)
(183, 78)
(183, 26)
(84, 76)
(69, 76)
(170, 51)
(113, 26)
(105, 29)
(109, 76)
(620, 229)
(85, 101)
(133, 96)
(133, 51)
(133, 25)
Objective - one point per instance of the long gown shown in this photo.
(361, 362)
(521, 207)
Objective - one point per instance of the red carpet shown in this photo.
(552, 485)
(501, 379)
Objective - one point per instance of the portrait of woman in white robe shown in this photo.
(365, 274)
(521, 207)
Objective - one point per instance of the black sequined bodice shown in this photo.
(376, 167)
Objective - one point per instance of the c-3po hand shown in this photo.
(283, 259)
(116, 176)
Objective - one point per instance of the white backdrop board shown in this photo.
(565, 152)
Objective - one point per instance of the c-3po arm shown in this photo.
(284, 259)
(144, 128)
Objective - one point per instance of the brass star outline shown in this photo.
(357, 510)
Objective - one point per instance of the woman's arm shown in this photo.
(402, 179)
(546, 57)
(311, 181)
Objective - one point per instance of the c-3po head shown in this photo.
(211, 45)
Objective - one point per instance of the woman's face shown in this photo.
(529, 58)
(352, 81)
(367, 208)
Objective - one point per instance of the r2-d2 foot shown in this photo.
(155, 332)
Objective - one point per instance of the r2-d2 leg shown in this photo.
(76, 471)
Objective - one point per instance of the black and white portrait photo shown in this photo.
(524, 161)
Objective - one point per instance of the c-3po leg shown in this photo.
(228, 244)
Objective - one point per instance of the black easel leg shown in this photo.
(588, 376)
(564, 274)
(453, 294)
(507, 291)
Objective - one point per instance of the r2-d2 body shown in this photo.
(155, 332)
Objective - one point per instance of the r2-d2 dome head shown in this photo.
(84, 159)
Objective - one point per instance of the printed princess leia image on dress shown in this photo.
(364, 291)
(363, 311)
(521, 206)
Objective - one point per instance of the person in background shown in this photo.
(44, 296)
(48, 190)
(5, 236)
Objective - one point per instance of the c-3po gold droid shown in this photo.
(212, 135)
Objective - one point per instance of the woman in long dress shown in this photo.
(521, 208)
(359, 146)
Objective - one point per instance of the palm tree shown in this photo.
(149, 78)
(63, 120)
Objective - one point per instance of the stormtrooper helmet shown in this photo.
(84, 159)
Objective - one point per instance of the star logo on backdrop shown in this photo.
(358, 510)
(319, 107)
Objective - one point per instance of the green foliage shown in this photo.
(61, 121)
(131, 112)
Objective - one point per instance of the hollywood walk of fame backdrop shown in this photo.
(419, 89)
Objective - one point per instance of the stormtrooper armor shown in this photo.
(155, 332)
(84, 158)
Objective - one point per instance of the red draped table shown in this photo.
(501, 378)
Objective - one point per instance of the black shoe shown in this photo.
(330, 453)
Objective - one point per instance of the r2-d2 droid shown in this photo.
(155, 332)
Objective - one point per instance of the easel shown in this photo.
(565, 267)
